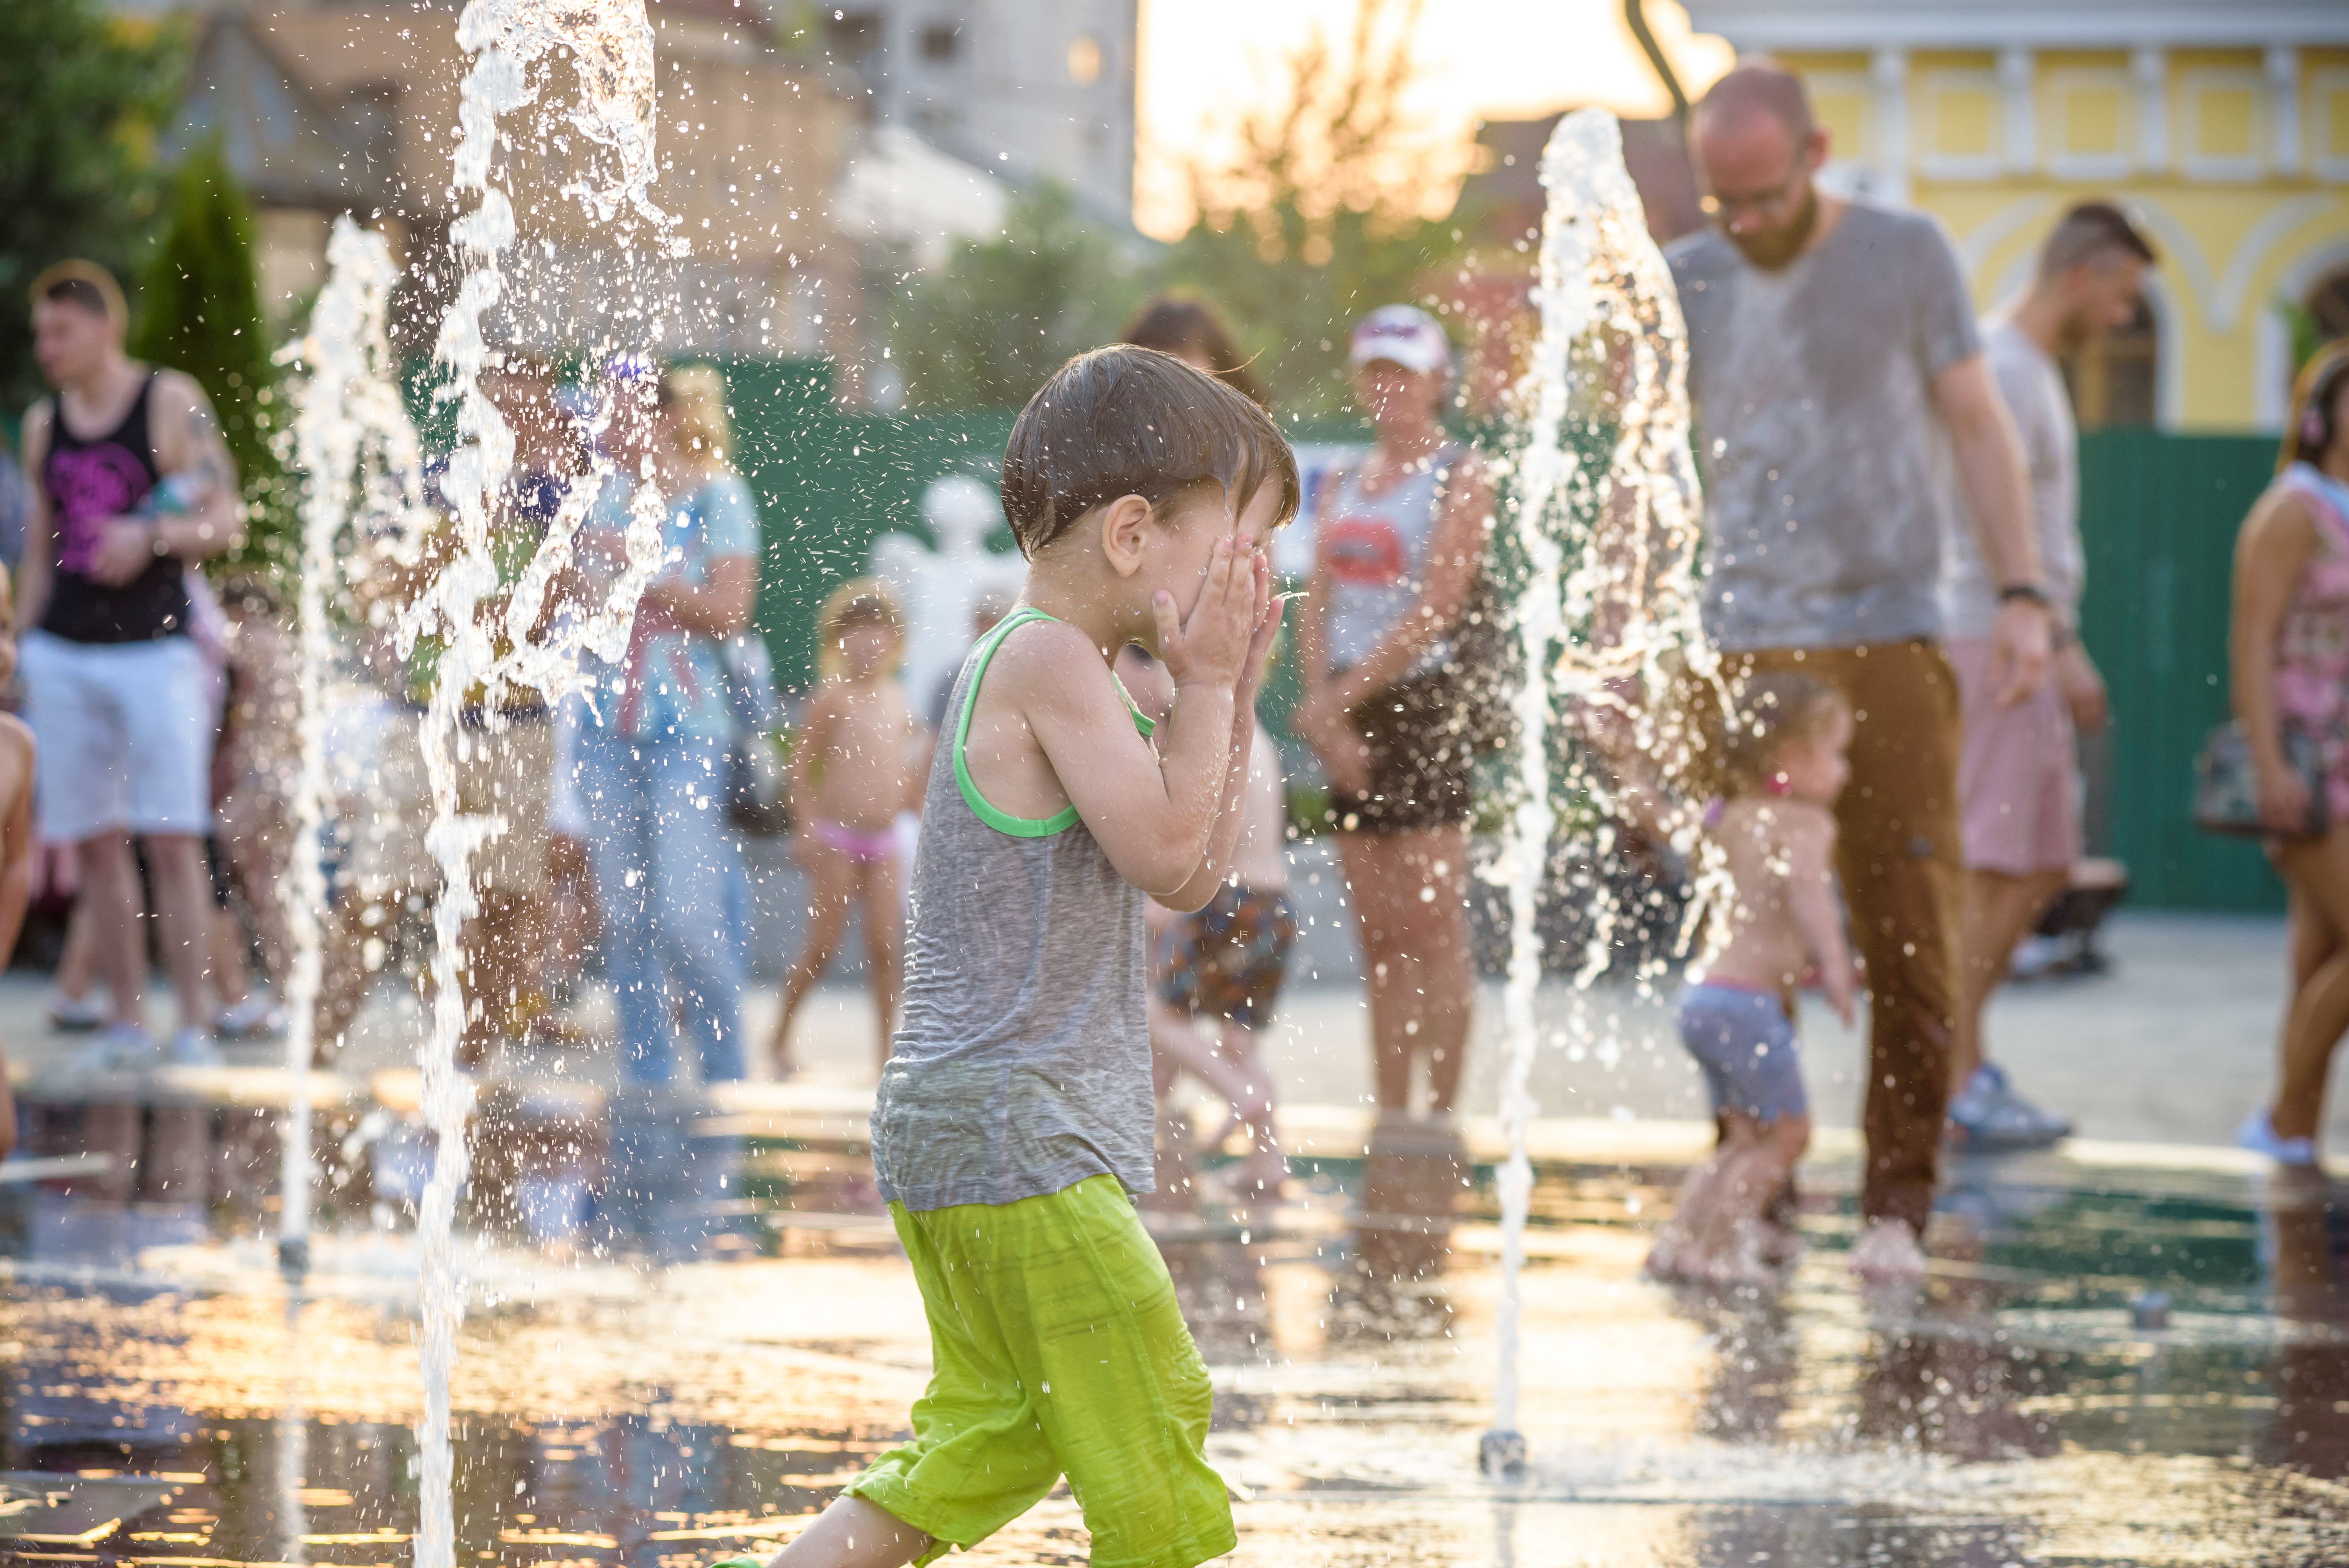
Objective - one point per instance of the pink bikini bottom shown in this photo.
(864, 847)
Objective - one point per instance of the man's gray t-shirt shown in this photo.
(1826, 474)
(2032, 384)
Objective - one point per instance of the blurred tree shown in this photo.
(1321, 211)
(83, 91)
(200, 311)
(984, 331)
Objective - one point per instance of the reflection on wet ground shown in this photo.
(2107, 1366)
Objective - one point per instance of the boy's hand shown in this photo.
(1208, 648)
(1268, 609)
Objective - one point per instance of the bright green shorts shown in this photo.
(1058, 1349)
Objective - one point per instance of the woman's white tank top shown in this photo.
(1372, 551)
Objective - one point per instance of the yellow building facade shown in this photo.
(2223, 127)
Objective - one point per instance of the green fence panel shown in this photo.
(2158, 513)
(829, 483)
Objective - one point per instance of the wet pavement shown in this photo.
(2132, 1352)
(2108, 1366)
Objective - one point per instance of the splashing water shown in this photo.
(1606, 619)
(498, 639)
(356, 449)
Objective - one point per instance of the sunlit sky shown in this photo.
(1204, 62)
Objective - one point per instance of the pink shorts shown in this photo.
(2019, 774)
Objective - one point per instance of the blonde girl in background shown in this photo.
(854, 769)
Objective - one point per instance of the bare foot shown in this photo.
(1261, 1176)
(1666, 1256)
(1681, 1259)
(1780, 1246)
(1887, 1253)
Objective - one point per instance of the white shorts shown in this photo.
(124, 733)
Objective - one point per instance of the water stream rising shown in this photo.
(355, 449)
(1603, 527)
(500, 639)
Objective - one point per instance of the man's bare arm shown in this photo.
(1990, 467)
(1998, 494)
(188, 443)
(40, 529)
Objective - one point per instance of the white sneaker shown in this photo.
(119, 1047)
(255, 1019)
(2259, 1135)
(1989, 1114)
(194, 1047)
(1887, 1253)
(74, 1014)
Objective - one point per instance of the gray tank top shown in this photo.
(1373, 551)
(1021, 1061)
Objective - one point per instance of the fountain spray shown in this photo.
(495, 638)
(1606, 620)
(357, 451)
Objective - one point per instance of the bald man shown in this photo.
(1837, 370)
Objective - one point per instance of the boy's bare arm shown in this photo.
(1150, 811)
(1224, 832)
(1224, 838)
(1810, 899)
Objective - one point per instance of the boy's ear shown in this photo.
(1124, 533)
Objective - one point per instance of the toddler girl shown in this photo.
(851, 772)
(1783, 765)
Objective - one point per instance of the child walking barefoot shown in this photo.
(1226, 962)
(851, 772)
(1783, 766)
(1013, 1126)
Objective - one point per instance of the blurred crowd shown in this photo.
(164, 702)
(1901, 532)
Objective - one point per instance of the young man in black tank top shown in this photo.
(131, 483)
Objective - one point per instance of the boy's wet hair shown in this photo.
(1773, 709)
(1122, 421)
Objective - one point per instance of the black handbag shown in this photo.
(758, 794)
(2227, 783)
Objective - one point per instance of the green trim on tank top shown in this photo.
(986, 811)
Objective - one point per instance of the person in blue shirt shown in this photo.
(653, 754)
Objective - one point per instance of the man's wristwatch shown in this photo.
(2029, 591)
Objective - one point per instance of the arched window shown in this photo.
(2114, 380)
(2328, 306)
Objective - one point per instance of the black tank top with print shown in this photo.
(87, 483)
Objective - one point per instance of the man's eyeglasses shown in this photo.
(1761, 202)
